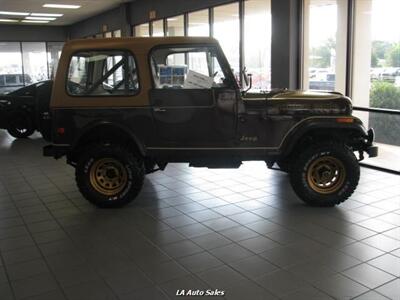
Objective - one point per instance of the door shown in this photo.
(193, 102)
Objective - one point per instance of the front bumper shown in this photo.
(370, 149)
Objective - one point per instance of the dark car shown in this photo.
(21, 111)
(121, 108)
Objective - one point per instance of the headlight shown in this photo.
(4, 102)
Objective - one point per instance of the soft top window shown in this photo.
(102, 73)
(186, 68)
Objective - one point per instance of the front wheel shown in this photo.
(325, 175)
(109, 176)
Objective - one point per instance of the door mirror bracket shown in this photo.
(248, 80)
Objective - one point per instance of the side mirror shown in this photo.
(245, 76)
(248, 80)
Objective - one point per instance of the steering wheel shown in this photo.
(76, 88)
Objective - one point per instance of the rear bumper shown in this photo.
(55, 151)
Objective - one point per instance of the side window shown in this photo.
(186, 68)
(11, 79)
(102, 73)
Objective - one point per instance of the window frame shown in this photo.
(166, 31)
(125, 51)
(344, 53)
(210, 19)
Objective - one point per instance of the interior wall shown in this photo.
(33, 33)
(139, 9)
(114, 19)
(136, 12)
(285, 51)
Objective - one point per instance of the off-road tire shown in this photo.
(300, 168)
(133, 168)
(21, 126)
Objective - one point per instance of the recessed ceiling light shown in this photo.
(8, 20)
(46, 15)
(67, 6)
(14, 13)
(34, 21)
(40, 18)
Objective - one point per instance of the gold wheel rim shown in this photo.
(326, 175)
(108, 176)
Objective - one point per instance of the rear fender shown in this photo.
(107, 130)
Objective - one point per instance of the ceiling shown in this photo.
(88, 9)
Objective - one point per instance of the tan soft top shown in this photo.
(140, 47)
(135, 43)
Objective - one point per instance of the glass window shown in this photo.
(226, 20)
(170, 70)
(175, 26)
(12, 79)
(141, 30)
(108, 34)
(376, 74)
(102, 73)
(99, 36)
(258, 51)
(54, 50)
(324, 64)
(199, 23)
(158, 28)
(117, 33)
(10, 64)
(34, 61)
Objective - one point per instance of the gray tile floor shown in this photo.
(239, 231)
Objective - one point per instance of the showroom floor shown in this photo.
(242, 231)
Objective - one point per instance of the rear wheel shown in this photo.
(109, 176)
(20, 126)
(325, 175)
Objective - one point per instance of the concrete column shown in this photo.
(341, 43)
(362, 56)
(125, 18)
(285, 43)
(306, 45)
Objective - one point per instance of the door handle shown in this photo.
(159, 109)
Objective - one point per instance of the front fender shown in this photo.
(329, 126)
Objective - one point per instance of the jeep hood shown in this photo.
(284, 94)
(306, 95)
(288, 101)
